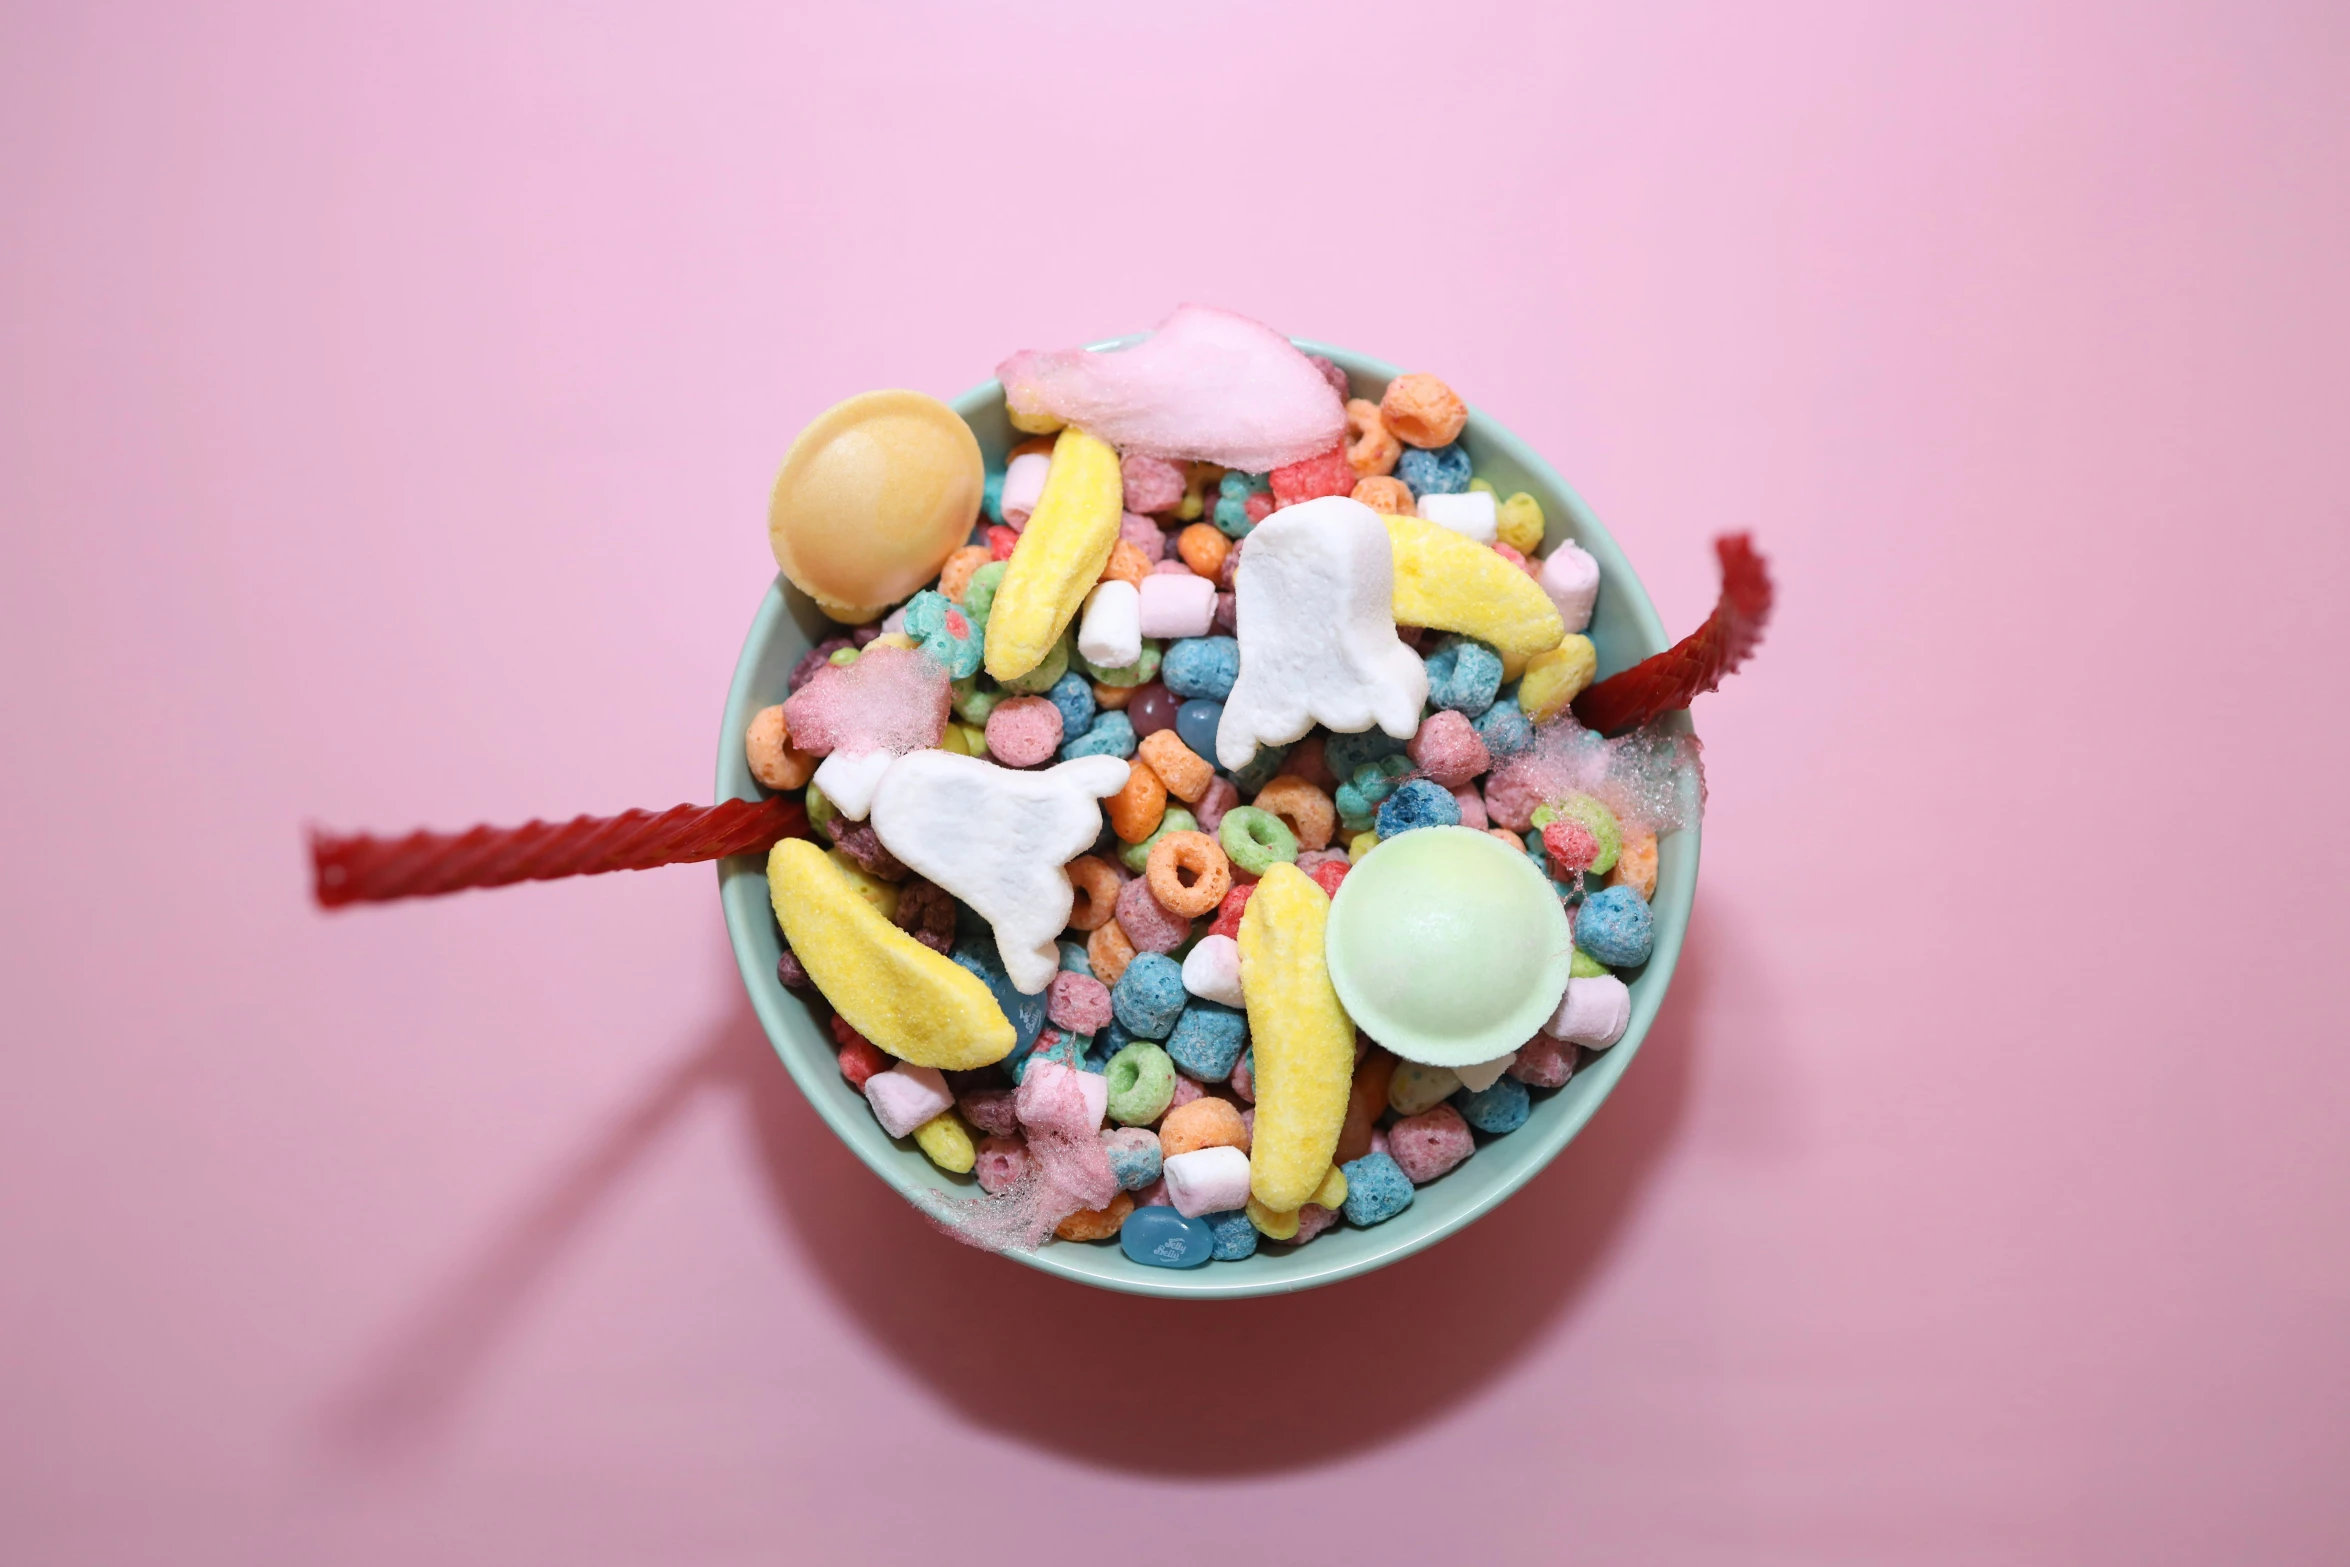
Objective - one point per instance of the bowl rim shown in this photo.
(739, 875)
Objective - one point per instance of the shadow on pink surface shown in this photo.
(959, 1319)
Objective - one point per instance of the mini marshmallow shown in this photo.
(998, 840)
(1023, 484)
(848, 779)
(905, 1096)
(1571, 577)
(1470, 514)
(1054, 1096)
(1212, 971)
(1594, 1012)
(1207, 1180)
(1316, 596)
(1478, 1076)
(1177, 604)
(1109, 635)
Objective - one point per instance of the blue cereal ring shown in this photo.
(1443, 470)
(1420, 802)
(1149, 996)
(1201, 667)
(1346, 753)
(1112, 734)
(1464, 675)
(943, 632)
(1616, 927)
(1073, 695)
(1359, 797)
(1504, 729)
(1135, 1156)
(1503, 1107)
(1232, 493)
(1208, 1039)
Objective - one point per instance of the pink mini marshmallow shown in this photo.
(1571, 577)
(1058, 1098)
(1207, 1180)
(1177, 605)
(1023, 483)
(905, 1096)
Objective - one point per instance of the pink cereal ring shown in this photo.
(1024, 731)
(1078, 1003)
(1149, 924)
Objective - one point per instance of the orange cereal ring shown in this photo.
(1189, 873)
(1203, 548)
(1135, 810)
(1111, 698)
(1127, 563)
(1636, 863)
(1096, 882)
(1034, 446)
(774, 761)
(1108, 951)
(1303, 809)
(1206, 1122)
(1371, 451)
(955, 576)
(1388, 495)
(1179, 767)
(1422, 410)
(1096, 1224)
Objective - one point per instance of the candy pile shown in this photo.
(1365, 883)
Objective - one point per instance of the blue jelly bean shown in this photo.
(1112, 734)
(1376, 1189)
(1135, 1156)
(1259, 769)
(1201, 667)
(1208, 1039)
(1149, 996)
(1074, 959)
(1359, 797)
(1159, 1237)
(1195, 725)
(1345, 753)
(1616, 927)
(991, 500)
(1504, 729)
(1232, 493)
(1073, 695)
(1025, 1012)
(1464, 675)
(1503, 1107)
(1443, 471)
(1235, 1236)
(1420, 802)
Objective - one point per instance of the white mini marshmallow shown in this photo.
(1571, 577)
(905, 1096)
(1177, 604)
(1110, 632)
(1316, 610)
(998, 839)
(1212, 971)
(1207, 1180)
(1478, 1076)
(848, 779)
(1023, 483)
(1471, 515)
(1594, 1012)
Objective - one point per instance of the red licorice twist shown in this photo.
(1696, 663)
(364, 869)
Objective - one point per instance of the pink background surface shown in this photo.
(388, 398)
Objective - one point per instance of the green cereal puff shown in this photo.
(1602, 822)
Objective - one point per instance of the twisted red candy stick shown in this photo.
(363, 869)
(1670, 680)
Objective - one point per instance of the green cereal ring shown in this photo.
(1142, 1083)
(1136, 857)
(1133, 674)
(979, 593)
(1255, 840)
(1042, 678)
(1585, 966)
(1602, 822)
(972, 705)
(821, 811)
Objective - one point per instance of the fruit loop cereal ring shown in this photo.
(1371, 447)
(1111, 734)
(1189, 874)
(1136, 857)
(926, 912)
(1203, 549)
(1464, 675)
(1376, 1189)
(1233, 494)
(1636, 863)
(1142, 1085)
(1208, 1039)
(1427, 1145)
(943, 633)
(1001, 1163)
(1304, 809)
(1235, 904)
(1615, 927)
(1383, 494)
(1324, 473)
(1078, 1003)
(1127, 563)
(980, 588)
(1256, 840)
(1134, 811)
(1149, 995)
(773, 759)
(1415, 804)
(1152, 484)
(1134, 674)
(1180, 768)
(1108, 950)
(1149, 924)
(1423, 411)
(1520, 522)
(1203, 667)
(1444, 471)
(1096, 1224)
(1203, 1123)
(1024, 732)
(1135, 1160)
(1143, 533)
(956, 575)
(1111, 697)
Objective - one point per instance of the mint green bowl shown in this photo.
(1626, 630)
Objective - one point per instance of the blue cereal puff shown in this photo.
(1201, 667)
(1376, 1188)
(1443, 471)
(1358, 798)
(1616, 927)
(1419, 802)
(1149, 996)
(1345, 753)
(1025, 1012)
(1232, 493)
(1236, 1238)
(1135, 1156)
(1464, 675)
(931, 619)
(1196, 722)
(1259, 769)
(1074, 959)
(1073, 695)
(1208, 1039)
(1498, 1109)
(1112, 734)
(1504, 729)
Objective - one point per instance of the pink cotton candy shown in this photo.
(1068, 1170)
(1207, 385)
(1057, 1098)
(890, 699)
(1648, 778)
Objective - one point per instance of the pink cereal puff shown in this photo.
(1222, 796)
(1312, 1220)
(1571, 846)
(1152, 484)
(1172, 568)
(1448, 749)
(1248, 1118)
(1144, 535)
(1078, 1003)
(1426, 1145)
(1243, 1083)
(859, 1060)
(1259, 507)
(1324, 473)
(1543, 1062)
(1024, 731)
(1511, 797)
(1185, 1092)
(1153, 1195)
(1147, 922)
(1519, 561)
(992, 1110)
(1001, 1163)
(1472, 806)
(1226, 621)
